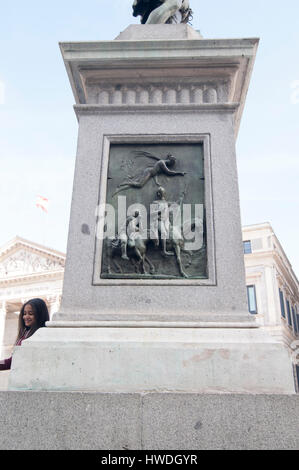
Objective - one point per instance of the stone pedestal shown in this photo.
(122, 360)
(161, 85)
(165, 92)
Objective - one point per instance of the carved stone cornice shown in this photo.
(28, 279)
(159, 73)
(154, 108)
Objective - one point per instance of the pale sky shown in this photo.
(38, 127)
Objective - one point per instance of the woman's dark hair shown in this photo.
(41, 315)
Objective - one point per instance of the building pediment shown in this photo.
(21, 258)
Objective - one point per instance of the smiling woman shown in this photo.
(33, 315)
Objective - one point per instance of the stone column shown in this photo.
(271, 288)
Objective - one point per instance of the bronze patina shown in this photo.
(152, 243)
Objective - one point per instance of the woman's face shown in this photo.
(29, 316)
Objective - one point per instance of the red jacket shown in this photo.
(5, 364)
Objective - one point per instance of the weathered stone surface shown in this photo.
(235, 422)
(140, 359)
(59, 421)
(95, 421)
(137, 32)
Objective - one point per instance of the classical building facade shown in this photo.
(29, 270)
(272, 287)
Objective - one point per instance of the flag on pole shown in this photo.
(42, 202)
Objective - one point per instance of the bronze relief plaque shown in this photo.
(156, 198)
